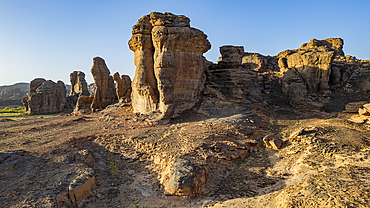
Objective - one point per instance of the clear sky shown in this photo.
(52, 38)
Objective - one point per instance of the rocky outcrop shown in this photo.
(353, 107)
(231, 56)
(351, 73)
(78, 88)
(45, 97)
(169, 64)
(330, 44)
(307, 71)
(123, 86)
(254, 61)
(78, 84)
(105, 93)
(237, 84)
(83, 104)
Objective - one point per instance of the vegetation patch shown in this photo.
(11, 111)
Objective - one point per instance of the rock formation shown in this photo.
(169, 64)
(83, 104)
(228, 77)
(45, 97)
(330, 44)
(123, 86)
(350, 72)
(183, 178)
(254, 61)
(307, 71)
(105, 93)
(231, 56)
(78, 88)
(78, 84)
(91, 87)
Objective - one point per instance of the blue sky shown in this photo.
(50, 38)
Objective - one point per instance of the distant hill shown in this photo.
(21, 86)
(18, 91)
(14, 92)
(12, 95)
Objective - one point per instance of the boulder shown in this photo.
(184, 178)
(123, 85)
(271, 141)
(364, 111)
(105, 93)
(169, 64)
(45, 97)
(231, 56)
(353, 107)
(83, 104)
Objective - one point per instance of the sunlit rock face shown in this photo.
(105, 93)
(169, 64)
(307, 70)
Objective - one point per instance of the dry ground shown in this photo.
(325, 166)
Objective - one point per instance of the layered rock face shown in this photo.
(169, 64)
(45, 97)
(78, 84)
(307, 71)
(235, 82)
(105, 93)
(123, 86)
(350, 73)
